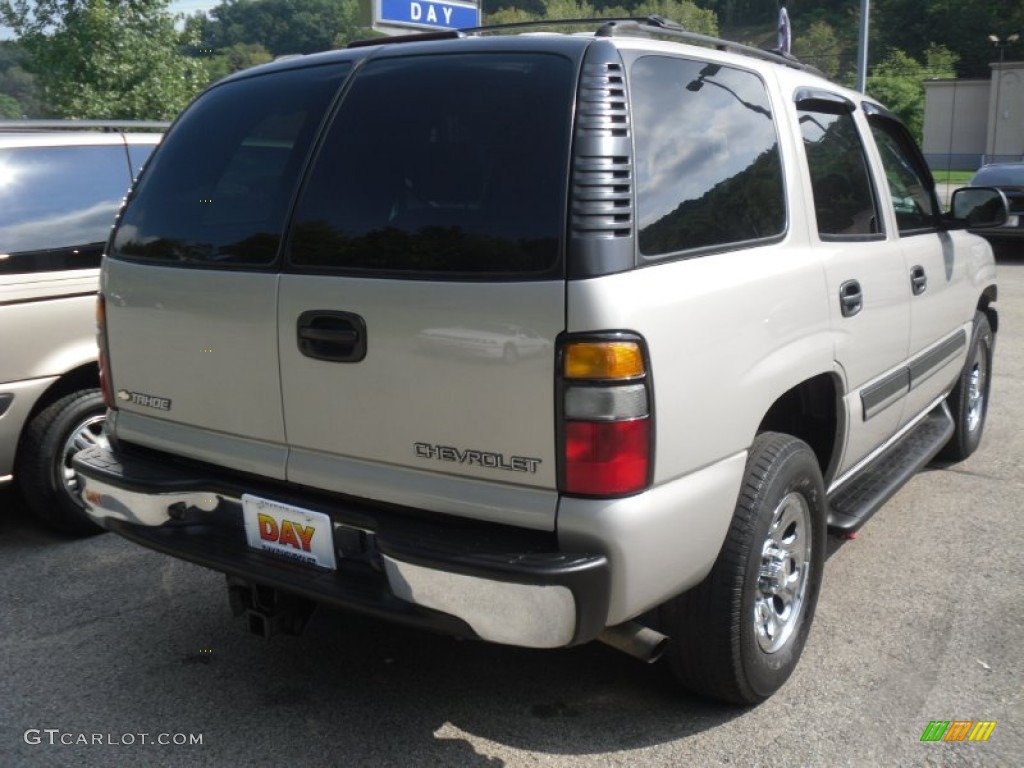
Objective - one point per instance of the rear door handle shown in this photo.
(337, 337)
(851, 300)
(918, 280)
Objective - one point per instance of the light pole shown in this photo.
(1001, 44)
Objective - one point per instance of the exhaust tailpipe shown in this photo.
(638, 641)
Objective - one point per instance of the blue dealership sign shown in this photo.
(427, 13)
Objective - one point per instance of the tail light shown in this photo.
(101, 340)
(605, 407)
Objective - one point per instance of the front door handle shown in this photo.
(851, 300)
(337, 337)
(918, 280)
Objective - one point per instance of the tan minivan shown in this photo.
(61, 184)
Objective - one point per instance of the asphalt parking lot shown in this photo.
(920, 619)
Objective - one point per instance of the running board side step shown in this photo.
(855, 501)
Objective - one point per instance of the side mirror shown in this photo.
(978, 208)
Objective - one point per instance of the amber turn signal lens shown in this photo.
(603, 360)
(101, 312)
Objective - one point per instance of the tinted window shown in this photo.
(453, 164)
(844, 200)
(708, 166)
(57, 205)
(220, 185)
(909, 185)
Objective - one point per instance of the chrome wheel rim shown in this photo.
(976, 381)
(783, 575)
(87, 434)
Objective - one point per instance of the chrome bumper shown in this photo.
(546, 600)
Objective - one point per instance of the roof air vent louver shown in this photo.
(601, 222)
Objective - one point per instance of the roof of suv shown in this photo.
(619, 29)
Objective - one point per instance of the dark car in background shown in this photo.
(1009, 178)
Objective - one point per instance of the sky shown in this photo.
(191, 6)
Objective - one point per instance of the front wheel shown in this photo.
(43, 470)
(968, 402)
(737, 636)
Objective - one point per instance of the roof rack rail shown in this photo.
(646, 26)
(656, 25)
(84, 125)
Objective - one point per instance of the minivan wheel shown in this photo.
(968, 402)
(737, 636)
(43, 469)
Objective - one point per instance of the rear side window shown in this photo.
(57, 205)
(451, 164)
(709, 172)
(844, 199)
(218, 189)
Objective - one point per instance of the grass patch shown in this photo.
(953, 177)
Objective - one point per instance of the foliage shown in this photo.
(16, 83)
(104, 58)
(819, 47)
(10, 109)
(960, 25)
(898, 82)
(234, 58)
(282, 26)
(683, 11)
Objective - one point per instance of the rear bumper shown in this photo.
(498, 583)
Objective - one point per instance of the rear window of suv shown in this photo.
(217, 191)
(453, 164)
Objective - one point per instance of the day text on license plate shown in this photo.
(299, 534)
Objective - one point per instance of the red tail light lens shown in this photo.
(606, 458)
(101, 340)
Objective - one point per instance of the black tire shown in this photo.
(43, 464)
(724, 644)
(968, 402)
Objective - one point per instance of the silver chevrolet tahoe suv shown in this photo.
(61, 183)
(537, 339)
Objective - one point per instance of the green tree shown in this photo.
(960, 25)
(684, 12)
(10, 109)
(819, 47)
(105, 58)
(687, 14)
(898, 82)
(283, 26)
(16, 83)
(509, 16)
(235, 58)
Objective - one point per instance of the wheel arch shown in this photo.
(985, 302)
(83, 377)
(811, 412)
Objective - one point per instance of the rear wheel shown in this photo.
(968, 402)
(737, 636)
(44, 472)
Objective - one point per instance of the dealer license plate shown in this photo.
(296, 533)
